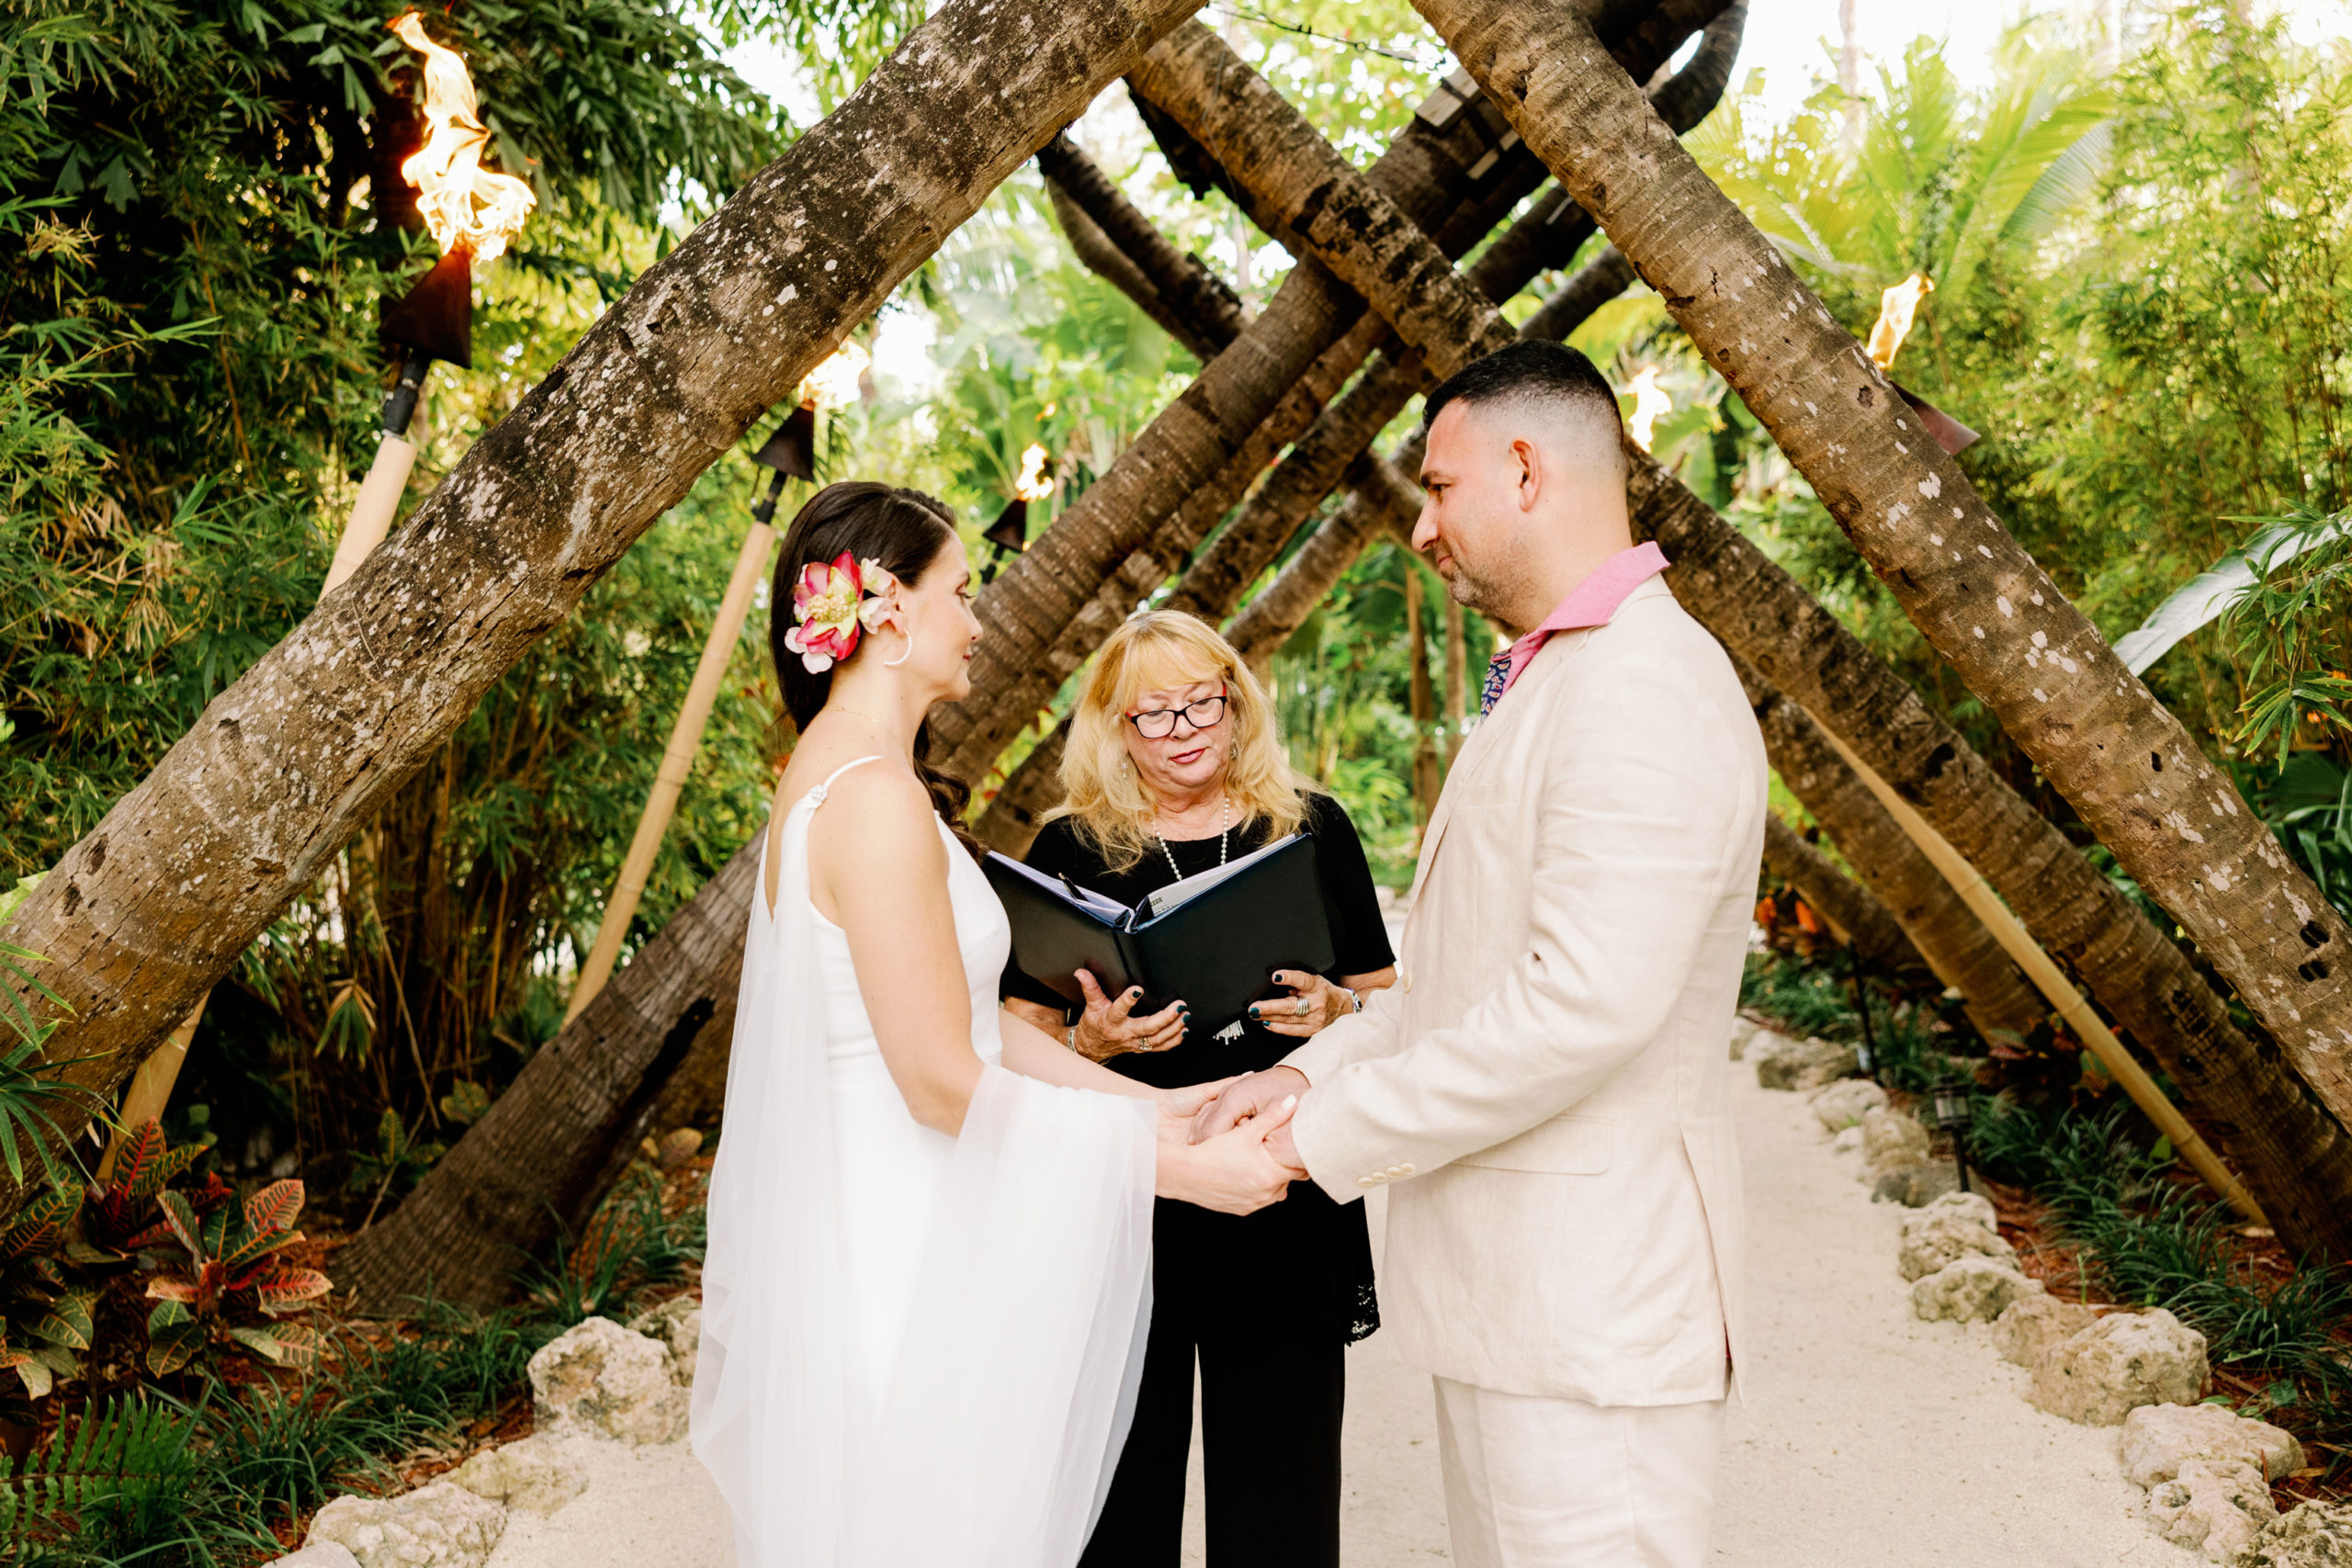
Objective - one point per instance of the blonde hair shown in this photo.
(1153, 650)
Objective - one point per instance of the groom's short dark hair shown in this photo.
(1548, 374)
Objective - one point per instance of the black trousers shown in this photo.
(1269, 1416)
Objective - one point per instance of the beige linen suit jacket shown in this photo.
(1543, 1093)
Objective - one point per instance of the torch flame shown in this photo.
(1032, 484)
(463, 203)
(1896, 307)
(1650, 405)
(833, 384)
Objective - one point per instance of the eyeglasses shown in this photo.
(1159, 724)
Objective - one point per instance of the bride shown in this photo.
(928, 1266)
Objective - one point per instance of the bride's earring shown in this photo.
(893, 663)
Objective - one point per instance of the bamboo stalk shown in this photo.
(677, 761)
(2092, 1030)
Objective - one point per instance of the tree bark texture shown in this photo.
(2174, 822)
(1948, 937)
(1192, 291)
(152, 906)
(1853, 908)
(1423, 178)
(541, 1154)
(1106, 261)
(2286, 1143)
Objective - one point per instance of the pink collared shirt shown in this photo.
(1590, 604)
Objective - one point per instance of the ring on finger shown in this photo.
(1301, 1007)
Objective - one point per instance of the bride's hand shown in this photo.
(1233, 1173)
(1177, 1106)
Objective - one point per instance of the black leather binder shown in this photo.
(1210, 940)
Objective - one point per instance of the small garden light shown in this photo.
(1952, 1110)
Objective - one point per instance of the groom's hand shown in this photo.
(1254, 1095)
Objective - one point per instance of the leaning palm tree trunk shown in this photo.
(534, 1160)
(1954, 943)
(2174, 820)
(1853, 909)
(242, 815)
(2291, 1147)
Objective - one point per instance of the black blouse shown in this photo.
(1303, 1266)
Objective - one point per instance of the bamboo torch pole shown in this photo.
(790, 453)
(2070, 1003)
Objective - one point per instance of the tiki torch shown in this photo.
(471, 212)
(1898, 305)
(1008, 535)
(789, 454)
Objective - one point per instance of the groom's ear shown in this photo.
(1527, 460)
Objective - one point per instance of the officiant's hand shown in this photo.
(1108, 1028)
(1312, 1003)
(1253, 1095)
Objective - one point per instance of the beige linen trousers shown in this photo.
(1543, 1091)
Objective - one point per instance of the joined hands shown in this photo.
(1244, 1164)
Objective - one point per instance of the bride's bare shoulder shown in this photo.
(869, 804)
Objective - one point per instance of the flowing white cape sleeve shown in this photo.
(1013, 1387)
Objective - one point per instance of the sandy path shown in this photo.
(1870, 1438)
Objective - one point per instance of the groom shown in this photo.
(1543, 1091)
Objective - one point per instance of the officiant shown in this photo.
(1174, 767)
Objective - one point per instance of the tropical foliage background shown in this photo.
(2138, 247)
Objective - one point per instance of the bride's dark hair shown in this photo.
(907, 532)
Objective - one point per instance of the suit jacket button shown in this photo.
(1363, 1181)
(1397, 1170)
(1404, 1170)
(1404, 978)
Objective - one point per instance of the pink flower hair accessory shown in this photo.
(832, 606)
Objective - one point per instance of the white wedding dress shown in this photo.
(917, 1351)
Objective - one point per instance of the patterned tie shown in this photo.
(1497, 672)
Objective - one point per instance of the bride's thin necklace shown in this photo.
(1224, 826)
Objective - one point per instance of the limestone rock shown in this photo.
(2159, 1439)
(537, 1474)
(1801, 1064)
(2311, 1535)
(677, 1322)
(1893, 1139)
(440, 1526)
(1974, 1204)
(1745, 1033)
(1974, 1289)
(1844, 1103)
(2214, 1507)
(2033, 1325)
(602, 1379)
(325, 1554)
(1916, 1186)
(1939, 1235)
(1849, 1142)
(2104, 1372)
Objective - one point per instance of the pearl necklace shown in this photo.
(1224, 826)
